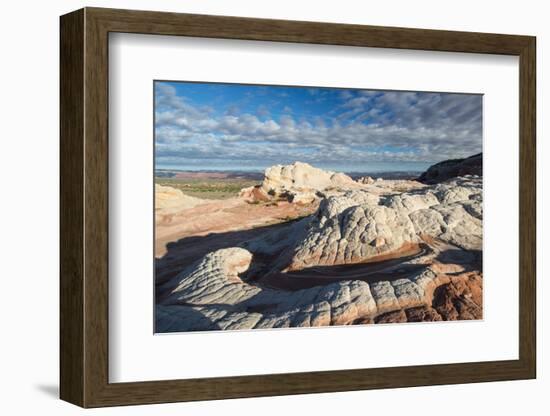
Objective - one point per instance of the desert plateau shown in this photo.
(281, 206)
(299, 246)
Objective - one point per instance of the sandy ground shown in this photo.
(187, 235)
(220, 216)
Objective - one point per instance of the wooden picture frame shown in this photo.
(84, 207)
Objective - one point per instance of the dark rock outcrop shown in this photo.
(453, 168)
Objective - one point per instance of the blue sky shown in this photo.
(249, 127)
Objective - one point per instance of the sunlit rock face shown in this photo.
(167, 198)
(358, 225)
(301, 182)
(386, 251)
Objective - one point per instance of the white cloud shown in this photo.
(370, 126)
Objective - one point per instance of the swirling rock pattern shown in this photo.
(360, 225)
(231, 289)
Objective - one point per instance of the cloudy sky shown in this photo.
(246, 127)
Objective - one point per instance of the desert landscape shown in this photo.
(307, 247)
(288, 206)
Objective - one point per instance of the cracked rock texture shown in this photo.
(209, 295)
(439, 227)
(298, 183)
(360, 225)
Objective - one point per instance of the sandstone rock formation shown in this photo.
(167, 198)
(370, 254)
(210, 295)
(298, 183)
(360, 225)
(170, 201)
(254, 194)
(367, 180)
(453, 168)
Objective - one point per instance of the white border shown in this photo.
(135, 354)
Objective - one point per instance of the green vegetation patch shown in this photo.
(208, 188)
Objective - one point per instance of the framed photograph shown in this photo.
(254, 207)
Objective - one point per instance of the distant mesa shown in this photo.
(207, 174)
(453, 168)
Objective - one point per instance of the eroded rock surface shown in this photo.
(298, 183)
(453, 168)
(210, 295)
(404, 252)
(360, 225)
(168, 198)
(367, 180)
